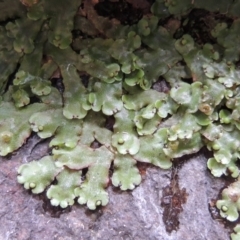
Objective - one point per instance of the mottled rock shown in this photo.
(136, 215)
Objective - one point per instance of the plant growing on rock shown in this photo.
(123, 63)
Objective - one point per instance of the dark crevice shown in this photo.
(34, 99)
(187, 80)
(179, 162)
(237, 64)
(11, 78)
(85, 79)
(58, 83)
(84, 173)
(110, 121)
(151, 1)
(199, 23)
(111, 170)
(161, 85)
(10, 155)
(121, 10)
(95, 144)
(13, 19)
(76, 33)
(164, 21)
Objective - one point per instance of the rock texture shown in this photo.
(177, 199)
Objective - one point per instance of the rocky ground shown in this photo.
(177, 204)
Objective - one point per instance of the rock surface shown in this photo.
(186, 190)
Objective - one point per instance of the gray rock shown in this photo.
(136, 215)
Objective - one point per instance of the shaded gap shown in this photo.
(161, 85)
(84, 173)
(11, 77)
(84, 78)
(95, 144)
(109, 123)
(187, 80)
(121, 10)
(58, 84)
(47, 208)
(10, 19)
(199, 23)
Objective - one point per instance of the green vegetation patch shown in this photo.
(139, 92)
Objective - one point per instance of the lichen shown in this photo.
(109, 70)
